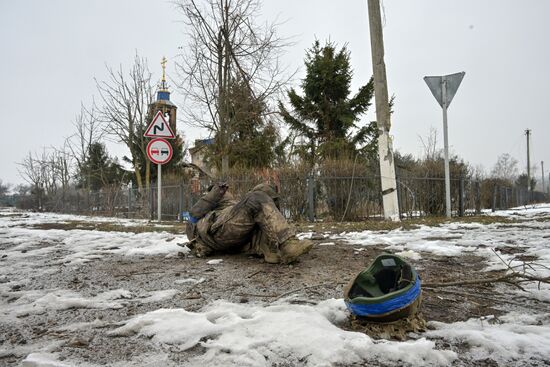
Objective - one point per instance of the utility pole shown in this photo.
(528, 134)
(385, 151)
(542, 168)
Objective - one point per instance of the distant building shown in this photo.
(198, 153)
(163, 102)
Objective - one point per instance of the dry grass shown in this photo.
(334, 227)
(381, 225)
(170, 227)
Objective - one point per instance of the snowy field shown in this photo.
(49, 321)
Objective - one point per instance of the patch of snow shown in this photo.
(256, 335)
(304, 235)
(38, 302)
(214, 261)
(158, 296)
(42, 360)
(512, 339)
(409, 254)
(77, 326)
(189, 281)
(523, 212)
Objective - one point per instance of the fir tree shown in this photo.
(252, 138)
(326, 115)
(99, 169)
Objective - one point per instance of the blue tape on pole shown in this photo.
(403, 300)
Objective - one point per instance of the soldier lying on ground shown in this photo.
(253, 225)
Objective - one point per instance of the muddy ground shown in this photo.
(319, 275)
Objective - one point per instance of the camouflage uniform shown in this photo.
(253, 225)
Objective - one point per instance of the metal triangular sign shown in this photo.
(435, 83)
(159, 128)
(453, 82)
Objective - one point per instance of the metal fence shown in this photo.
(307, 198)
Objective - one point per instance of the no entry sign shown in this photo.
(159, 151)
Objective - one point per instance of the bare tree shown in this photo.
(47, 173)
(431, 151)
(4, 188)
(126, 97)
(31, 170)
(506, 168)
(60, 162)
(225, 46)
(88, 130)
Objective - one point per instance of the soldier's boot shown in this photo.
(270, 255)
(292, 248)
(199, 249)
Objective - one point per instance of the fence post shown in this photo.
(461, 198)
(478, 197)
(151, 201)
(77, 202)
(189, 199)
(310, 198)
(129, 199)
(495, 188)
(520, 196)
(180, 206)
(506, 200)
(399, 197)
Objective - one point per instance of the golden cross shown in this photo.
(163, 63)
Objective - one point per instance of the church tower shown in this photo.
(163, 102)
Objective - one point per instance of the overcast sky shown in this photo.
(52, 51)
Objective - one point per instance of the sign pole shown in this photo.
(159, 151)
(446, 142)
(159, 193)
(444, 89)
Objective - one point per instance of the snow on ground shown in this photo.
(455, 239)
(31, 248)
(508, 339)
(523, 212)
(258, 334)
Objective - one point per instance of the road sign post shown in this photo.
(444, 89)
(446, 144)
(159, 151)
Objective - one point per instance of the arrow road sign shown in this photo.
(452, 82)
(159, 151)
(159, 128)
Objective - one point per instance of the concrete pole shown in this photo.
(159, 192)
(385, 151)
(446, 142)
(528, 133)
(542, 168)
